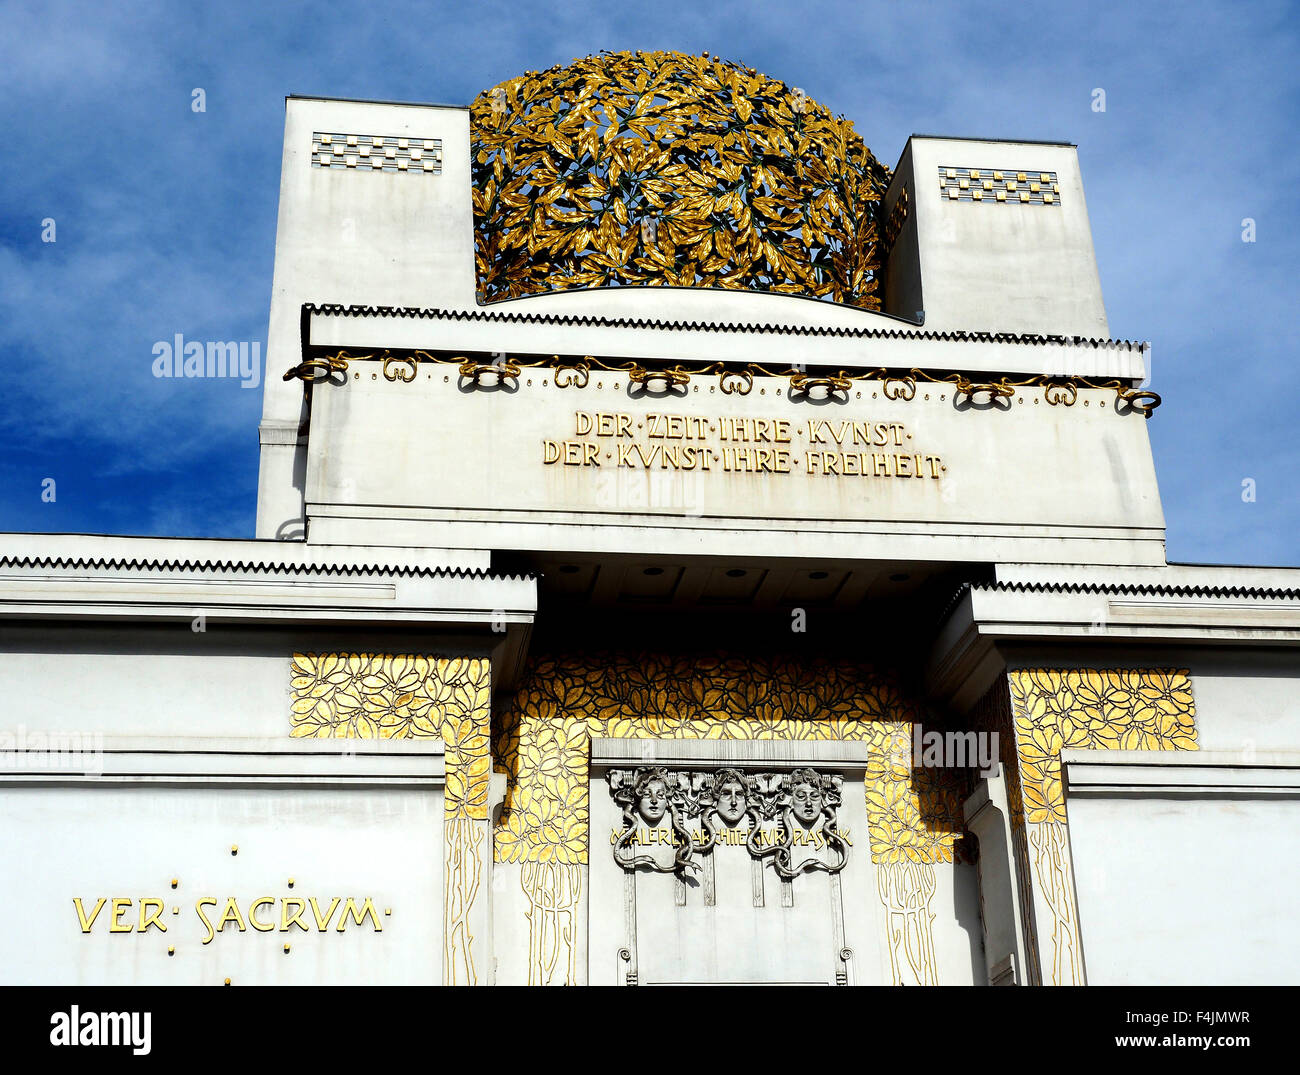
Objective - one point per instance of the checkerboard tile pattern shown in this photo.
(376, 152)
(1010, 186)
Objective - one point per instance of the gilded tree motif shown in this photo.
(664, 168)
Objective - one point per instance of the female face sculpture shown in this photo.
(653, 800)
(731, 800)
(806, 802)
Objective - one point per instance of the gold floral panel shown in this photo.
(543, 741)
(664, 168)
(403, 696)
(1095, 709)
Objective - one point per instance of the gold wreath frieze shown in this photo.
(992, 390)
(318, 369)
(899, 388)
(401, 368)
(819, 387)
(489, 374)
(658, 380)
(737, 379)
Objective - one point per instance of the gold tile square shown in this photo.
(988, 184)
(974, 173)
(1020, 176)
(1047, 199)
(1002, 195)
(1011, 184)
(1024, 195)
(977, 194)
(965, 184)
(352, 139)
(952, 193)
(952, 173)
(1034, 187)
(997, 175)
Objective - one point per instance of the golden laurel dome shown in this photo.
(634, 168)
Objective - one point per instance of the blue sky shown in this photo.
(166, 218)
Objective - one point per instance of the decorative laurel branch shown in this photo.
(664, 168)
(733, 378)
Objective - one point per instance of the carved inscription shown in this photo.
(825, 447)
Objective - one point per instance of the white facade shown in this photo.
(474, 596)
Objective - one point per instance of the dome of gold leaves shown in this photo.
(662, 168)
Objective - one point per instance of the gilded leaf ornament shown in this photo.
(543, 740)
(636, 168)
(1107, 709)
(402, 696)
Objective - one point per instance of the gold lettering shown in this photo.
(359, 914)
(323, 924)
(295, 919)
(743, 445)
(147, 919)
(232, 913)
(261, 901)
(120, 906)
(86, 923)
(198, 906)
